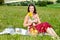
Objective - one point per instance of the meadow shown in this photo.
(14, 15)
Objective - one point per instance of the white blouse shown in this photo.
(30, 20)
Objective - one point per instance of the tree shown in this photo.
(58, 1)
(1, 1)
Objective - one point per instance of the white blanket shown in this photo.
(13, 31)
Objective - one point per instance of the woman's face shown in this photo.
(31, 9)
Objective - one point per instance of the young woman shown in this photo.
(40, 27)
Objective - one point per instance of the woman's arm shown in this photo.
(25, 24)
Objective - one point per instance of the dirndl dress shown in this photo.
(42, 27)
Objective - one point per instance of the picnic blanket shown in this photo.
(14, 31)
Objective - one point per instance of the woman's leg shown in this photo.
(51, 32)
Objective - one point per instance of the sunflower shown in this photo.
(30, 14)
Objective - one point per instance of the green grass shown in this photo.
(54, 5)
(14, 15)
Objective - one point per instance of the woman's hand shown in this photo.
(34, 21)
(29, 23)
(34, 24)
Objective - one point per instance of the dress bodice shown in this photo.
(35, 20)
